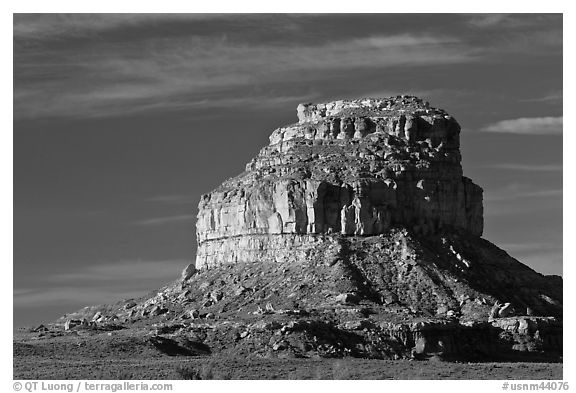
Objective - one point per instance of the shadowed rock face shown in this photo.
(347, 167)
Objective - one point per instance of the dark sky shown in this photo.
(121, 122)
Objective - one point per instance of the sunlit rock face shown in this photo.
(347, 168)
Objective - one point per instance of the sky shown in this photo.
(122, 121)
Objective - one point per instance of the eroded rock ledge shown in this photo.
(356, 167)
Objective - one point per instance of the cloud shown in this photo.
(183, 218)
(102, 78)
(519, 191)
(528, 167)
(127, 271)
(512, 21)
(551, 98)
(527, 126)
(541, 42)
(74, 296)
(514, 195)
(100, 65)
(488, 20)
(23, 291)
(177, 199)
(102, 283)
(61, 26)
(523, 248)
(518, 34)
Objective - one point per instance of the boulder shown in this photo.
(347, 298)
(72, 323)
(494, 311)
(40, 328)
(207, 303)
(97, 316)
(129, 304)
(420, 346)
(505, 311)
(281, 345)
(157, 310)
(216, 296)
(188, 272)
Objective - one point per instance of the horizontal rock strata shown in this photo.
(356, 168)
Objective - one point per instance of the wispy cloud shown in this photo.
(102, 283)
(523, 248)
(178, 199)
(183, 218)
(488, 20)
(527, 167)
(128, 271)
(522, 34)
(511, 21)
(528, 126)
(555, 97)
(82, 65)
(200, 71)
(541, 42)
(59, 26)
(74, 296)
(506, 195)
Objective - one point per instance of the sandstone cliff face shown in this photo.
(355, 168)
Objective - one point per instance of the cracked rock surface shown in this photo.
(356, 168)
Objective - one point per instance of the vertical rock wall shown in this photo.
(355, 168)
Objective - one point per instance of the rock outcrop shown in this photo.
(356, 168)
(353, 233)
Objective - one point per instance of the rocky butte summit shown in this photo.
(353, 168)
(352, 233)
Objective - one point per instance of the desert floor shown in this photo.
(108, 357)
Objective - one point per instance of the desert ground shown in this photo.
(123, 356)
